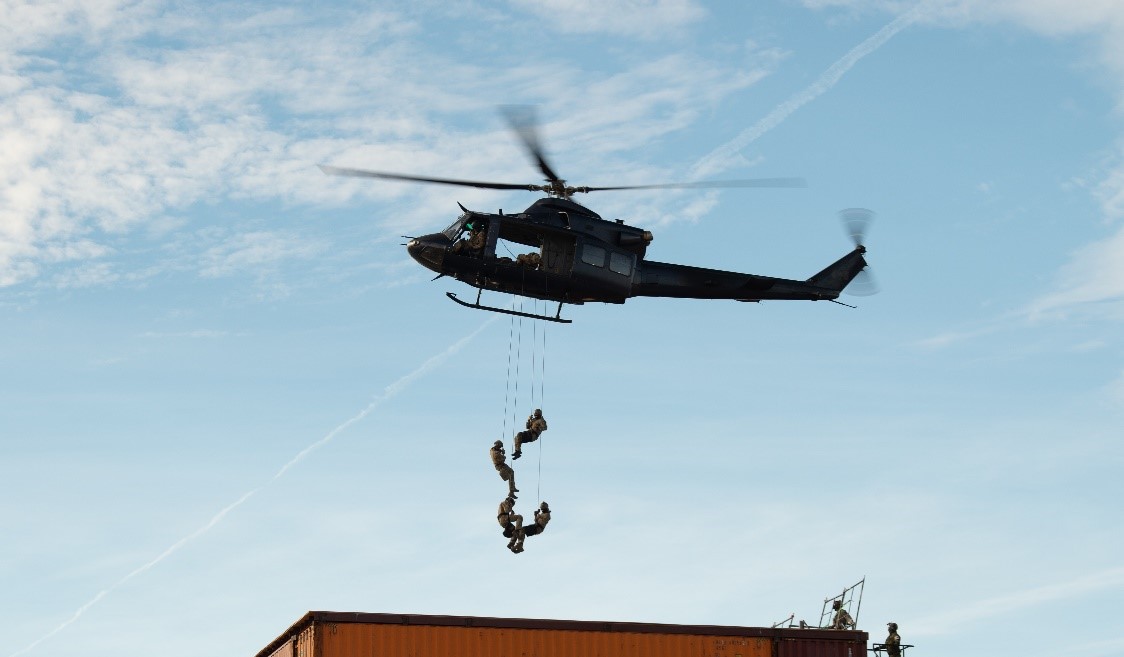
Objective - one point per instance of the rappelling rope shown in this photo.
(507, 390)
(538, 367)
(518, 361)
(542, 384)
(534, 353)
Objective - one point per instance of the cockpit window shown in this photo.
(454, 230)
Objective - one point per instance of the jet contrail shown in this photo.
(723, 157)
(389, 392)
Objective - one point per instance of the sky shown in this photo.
(229, 397)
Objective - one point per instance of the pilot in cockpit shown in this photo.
(473, 244)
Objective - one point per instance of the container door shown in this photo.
(819, 648)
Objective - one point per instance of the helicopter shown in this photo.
(582, 258)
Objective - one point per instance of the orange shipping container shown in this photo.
(335, 634)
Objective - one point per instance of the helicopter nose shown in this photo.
(429, 250)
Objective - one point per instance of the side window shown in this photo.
(621, 263)
(593, 255)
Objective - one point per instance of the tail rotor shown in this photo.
(856, 222)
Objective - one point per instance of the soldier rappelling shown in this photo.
(499, 460)
(536, 424)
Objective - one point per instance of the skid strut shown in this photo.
(478, 306)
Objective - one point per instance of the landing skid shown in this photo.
(517, 313)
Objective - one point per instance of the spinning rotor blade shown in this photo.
(856, 221)
(363, 173)
(709, 184)
(524, 121)
(863, 285)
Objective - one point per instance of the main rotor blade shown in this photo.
(710, 184)
(524, 121)
(363, 173)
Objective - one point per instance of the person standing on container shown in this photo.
(842, 619)
(499, 459)
(893, 643)
(536, 424)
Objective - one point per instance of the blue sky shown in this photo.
(229, 397)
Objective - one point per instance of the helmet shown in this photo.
(837, 604)
(893, 626)
(498, 443)
(538, 412)
(544, 507)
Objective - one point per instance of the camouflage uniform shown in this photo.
(542, 516)
(473, 244)
(842, 619)
(511, 522)
(536, 424)
(499, 460)
(893, 641)
(477, 241)
(529, 260)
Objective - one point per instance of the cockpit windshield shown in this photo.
(454, 230)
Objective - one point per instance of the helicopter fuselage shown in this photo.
(581, 258)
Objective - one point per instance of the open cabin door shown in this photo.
(558, 254)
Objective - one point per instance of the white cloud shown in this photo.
(1110, 192)
(205, 334)
(1092, 282)
(1115, 389)
(966, 612)
(648, 19)
(729, 154)
(1052, 17)
(103, 137)
(252, 251)
(90, 274)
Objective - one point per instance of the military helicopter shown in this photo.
(582, 258)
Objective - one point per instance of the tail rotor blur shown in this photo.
(856, 222)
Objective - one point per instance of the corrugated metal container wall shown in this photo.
(306, 642)
(286, 650)
(356, 639)
(336, 634)
(819, 648)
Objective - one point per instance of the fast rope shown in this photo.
(538, 370)
(542, 383)
(518, 364)
(507, 390)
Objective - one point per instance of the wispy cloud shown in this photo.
(197, 334)
(388, 393)
(729, 154)
(1115, 389)
(1092, 282)
(646, 19)
(254, 250)
(243, 101)
(967, 612)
